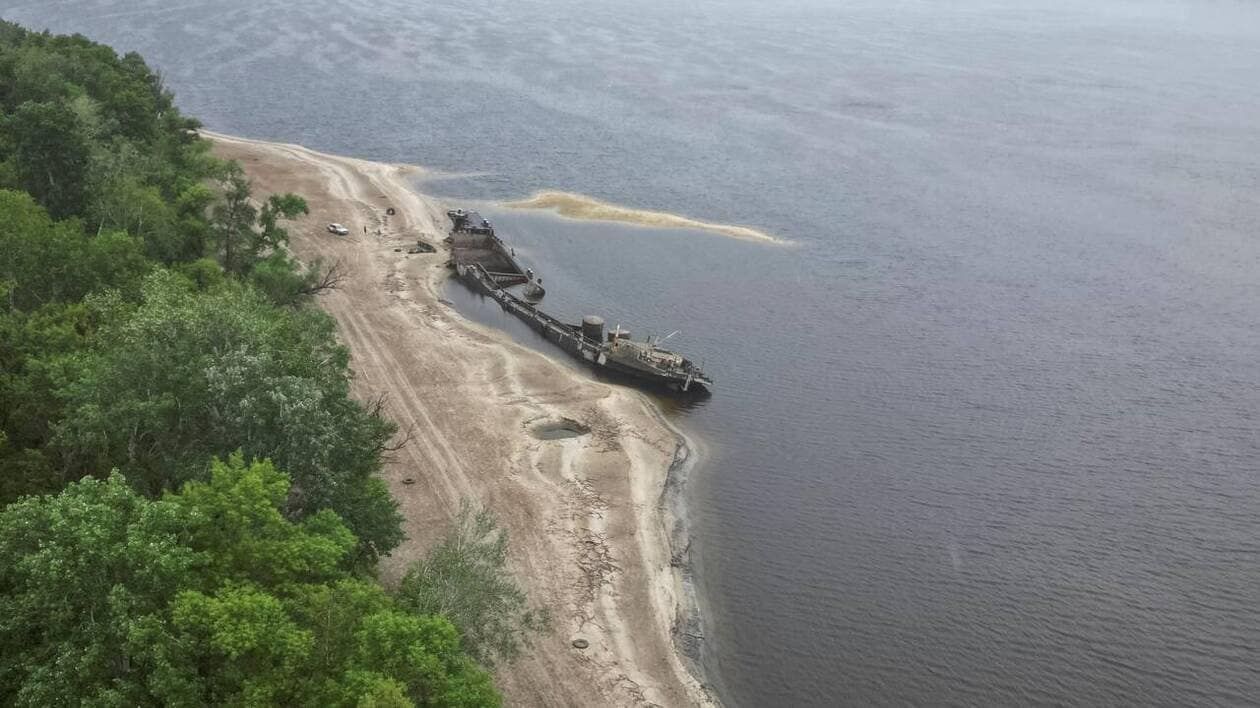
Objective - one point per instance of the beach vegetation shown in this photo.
(464, 577)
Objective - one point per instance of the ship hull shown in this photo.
(483, 263)
(569, 338)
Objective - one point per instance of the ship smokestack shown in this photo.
(593, 328)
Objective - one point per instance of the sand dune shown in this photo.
(578, 206)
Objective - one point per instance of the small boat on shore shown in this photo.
(486, 265)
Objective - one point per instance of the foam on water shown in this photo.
(578, 206)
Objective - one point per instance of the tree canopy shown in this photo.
(183, 375)
(208, 596)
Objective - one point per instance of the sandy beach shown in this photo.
(589, 529)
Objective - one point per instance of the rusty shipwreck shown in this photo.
(483, 262)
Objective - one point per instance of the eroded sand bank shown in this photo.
(585, 515)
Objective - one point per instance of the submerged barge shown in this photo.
(484, 263)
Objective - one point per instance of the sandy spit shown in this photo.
(578, 206)
(588, 523)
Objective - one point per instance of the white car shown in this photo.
(338, 229)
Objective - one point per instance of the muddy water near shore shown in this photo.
(989, 433)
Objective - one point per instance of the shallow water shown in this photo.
(989, 432)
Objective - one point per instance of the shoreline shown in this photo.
(688, 627)
(597, 531)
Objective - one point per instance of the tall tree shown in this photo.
(208, 597)
(76, 572)
(244, 233)
(46, 261)
(186, 375)
(50, 155)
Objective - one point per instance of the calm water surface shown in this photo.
(990, 432)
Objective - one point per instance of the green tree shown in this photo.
(285, 282)
(123, 202)
(76, 571)
(208, 596)
(46, 267)
(93, 135)
(464, 577)
(140, 333)
(46, 261)
(186, 375)
(232, 223)
(244, 233)
(50, 155)
(36, 353)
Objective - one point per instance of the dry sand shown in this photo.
(586, 515)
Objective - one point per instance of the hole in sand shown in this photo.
(559, 429)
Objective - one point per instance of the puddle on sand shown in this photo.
(558, 429)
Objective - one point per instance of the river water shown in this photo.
(988, 432)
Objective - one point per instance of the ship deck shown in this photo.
(486, 250)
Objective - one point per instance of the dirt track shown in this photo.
(584, 514)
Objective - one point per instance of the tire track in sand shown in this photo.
(441, 453)
(430, 463)
(431, 437)
(426, 462)
(441, 459)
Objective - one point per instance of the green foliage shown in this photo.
(287, 283)
(244, 234)
(203, 273)
(207, 597)
(233, 220)
(240, 515)
(464, 577)
(35, 355)
(50, 155)
(52, 262)
(93, 135)
(122, 202)
(76, 570)
(185, 375)
(278, 206)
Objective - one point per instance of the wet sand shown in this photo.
(587, 516)
(578, 206)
